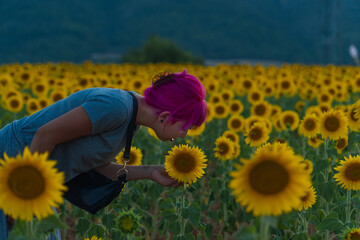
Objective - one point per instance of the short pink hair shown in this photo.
(183, 97)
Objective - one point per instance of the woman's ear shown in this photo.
(163, 116)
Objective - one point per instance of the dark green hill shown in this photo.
(281, 30)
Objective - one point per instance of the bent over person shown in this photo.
(85, 131)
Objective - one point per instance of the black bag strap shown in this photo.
(131, 127)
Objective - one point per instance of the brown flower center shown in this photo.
(220, 110)
(260, 110)
(26, 182)
(354, 236)
(184, 163)
(255, 133)
(332, 124)
(14, 103)
(223, 148)
(236, 123)
(268, 177)
(234, 107)
(352, 172)
(309, 124)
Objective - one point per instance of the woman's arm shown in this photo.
(155, 173)
(73, 124)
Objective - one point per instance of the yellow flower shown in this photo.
(340, 144)
(308, 199)
(152, 133)
(290, 118)
(348, 175)
(224, 148)
(210, 112)
(233, 136)
(261, 109)
(353, 234)
(257, 135)
(315, 142)
(353, 120)
(309, 126)
(185, 164)
(135, 157)
(236, 123)
(236, 107)
(93, 238)
(333, 124)
(271, 183)
(255, 96)
(221, 111)
(32, 106)
(308, 165)
(14, 104)
(30, 185)
(195, 131)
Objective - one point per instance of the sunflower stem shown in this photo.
(182, 206)
(264, 228)
(29, 229)
(154, 220)
(348, 206)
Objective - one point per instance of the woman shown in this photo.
(86, 130)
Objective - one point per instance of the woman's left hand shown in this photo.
(159, 175)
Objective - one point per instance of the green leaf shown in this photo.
(108, 220)
(174, 227)
(225, 193)
(331, 222)
(209, 230)
(19, 231)
(49, 224)
(97, 230)
(301, 236)
(195, 213)
(82, 226)
(166, 204)
(169, 215)
(189, 236)
(185, 212)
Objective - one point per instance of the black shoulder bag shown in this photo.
(93, 191)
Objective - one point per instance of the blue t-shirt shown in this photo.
(110, 112)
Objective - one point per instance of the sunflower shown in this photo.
(333, 124)
(135, 157)
(275, 110)
(14, 104)
(353, 120)
(30, 185)
(210, 112)
(348, 175)
(195, 131)
(185, 164)
(57, 95)
(32, 106)
(93, 238)
(271, 183)
(215, 98)
(224, 148)
(313, 110)
(268, 90)
(257, 134)
(308, 165)
(226, 95)
(261, 109)
(341, 144)
(233, 136)
(236, 123)
(290, 118)
(246, 84)
(152, 133)
(128, 222)
(255, 96)
(40, 88)
(220, 110)
(352, 234)
(309, 126)
(236, 107)
(315, 142)
(324, 98)
(308, 199)
(299, 106)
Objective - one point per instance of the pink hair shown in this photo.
(184, 98)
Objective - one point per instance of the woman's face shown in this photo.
(171, 131)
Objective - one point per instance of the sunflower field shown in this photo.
(277, 157)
